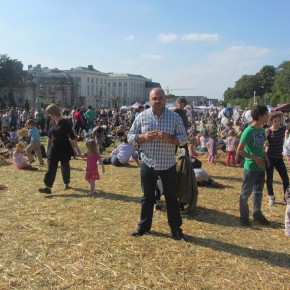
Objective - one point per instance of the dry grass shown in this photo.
(72, 241)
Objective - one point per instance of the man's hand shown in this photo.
(260, 161)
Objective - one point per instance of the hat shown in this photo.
(181, 100)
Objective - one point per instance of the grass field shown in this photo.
(71, 241)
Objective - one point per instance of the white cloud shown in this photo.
(128, 61)
(152, 56)
(167, 37)
(250, 51)
(130, 38)
(200, 37)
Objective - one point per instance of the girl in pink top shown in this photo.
(93, 158)
(18, 158)
(232, 144)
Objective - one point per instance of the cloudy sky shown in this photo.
(191, 47)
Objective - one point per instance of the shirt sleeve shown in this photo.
(135, 130)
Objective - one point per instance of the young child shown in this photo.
(18, 158)
(35, 144)
(212, 147)
(192, 147)
(232, 145)
(93, 158)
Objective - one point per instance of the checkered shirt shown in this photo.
(158, 154)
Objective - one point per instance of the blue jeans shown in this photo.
(253, 180)
(279, 164)
(115, 161)
(148, 183)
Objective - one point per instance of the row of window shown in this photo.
(114, 84)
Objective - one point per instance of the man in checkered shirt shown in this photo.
(158, 130)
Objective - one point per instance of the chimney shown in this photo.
(90, 67)
(30, 66)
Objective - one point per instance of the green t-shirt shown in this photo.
(254, 140)
(90, 115)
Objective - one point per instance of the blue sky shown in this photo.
(191, 47)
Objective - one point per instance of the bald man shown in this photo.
(158, 130)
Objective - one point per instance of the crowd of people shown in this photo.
(151, 135)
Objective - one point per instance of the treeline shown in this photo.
(270, 85)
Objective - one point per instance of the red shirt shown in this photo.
(77, 116)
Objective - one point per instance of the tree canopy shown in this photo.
(11, 72)
(270, 86)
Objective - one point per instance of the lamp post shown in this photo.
(39, 97)
(75, 94)
(52, 95)
(64, 95)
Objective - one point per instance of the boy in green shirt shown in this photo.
(251, 147)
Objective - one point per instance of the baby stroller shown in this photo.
(104, 141)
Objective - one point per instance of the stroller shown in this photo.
(100, 135)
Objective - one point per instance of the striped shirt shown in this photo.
(276, 140)
(158, 154)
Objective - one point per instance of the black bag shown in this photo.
(195, 163)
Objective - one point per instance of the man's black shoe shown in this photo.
(139, 232)
(45, 190)
(245, 222)
(177, 235)
(260, 218)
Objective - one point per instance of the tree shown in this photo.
(282, 81)
(11, 72)
(266, 77)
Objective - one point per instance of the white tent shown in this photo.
(124, 108)
(136, 105)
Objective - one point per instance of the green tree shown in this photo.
(281, 86)
(266, 77)
(11, 72)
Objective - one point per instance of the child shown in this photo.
(93, 157)
(18, 158)
(232, 145)
(212, 147)
(35, 144)
(192, 147)
(251, 147)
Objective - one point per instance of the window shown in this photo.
(109, 84)
(120, 85)
(125, 84)
(114, 85)
(88, 80)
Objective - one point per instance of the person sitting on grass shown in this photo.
(18, 158)
(122, 154)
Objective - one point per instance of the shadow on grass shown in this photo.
(215, 217)
(231, 178)
(272, 258)
(99, 194)
(239, 179)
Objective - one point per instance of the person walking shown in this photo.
(60, 141)
(158, 130)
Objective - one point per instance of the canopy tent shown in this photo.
(282, 108)
(136, 105)
(124, 107)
